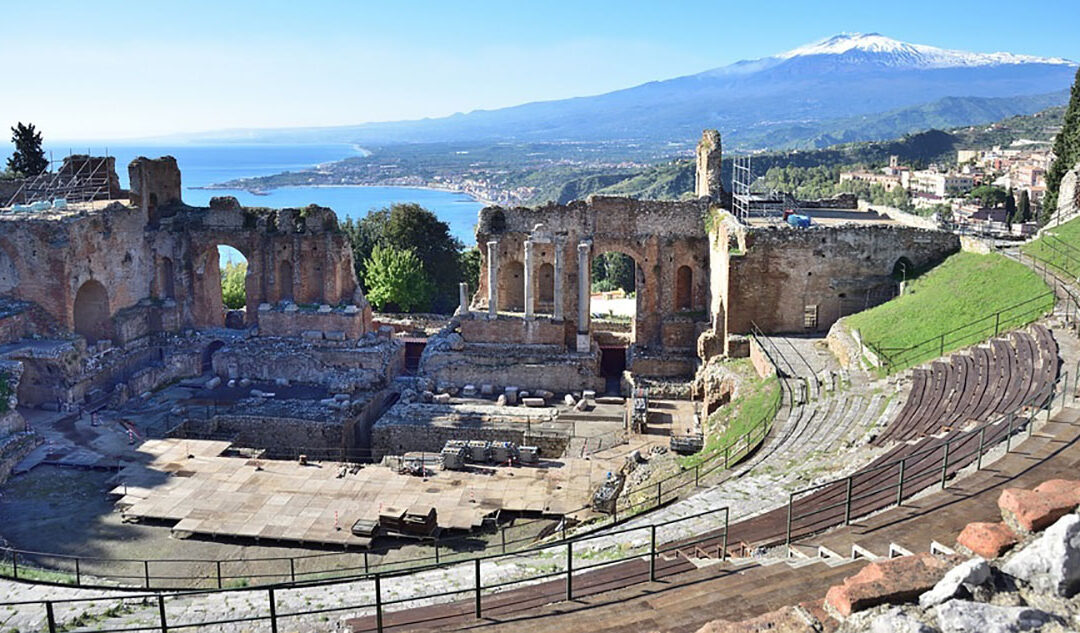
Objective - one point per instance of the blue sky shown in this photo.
(112, 70)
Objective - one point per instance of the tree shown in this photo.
(613, 270)
(469, 264)
(29, 158)
(411, 227)
(989, 195)
(1010, 208)
(1066, 152)
(1024, 206)
(396, 280)
(233, 292)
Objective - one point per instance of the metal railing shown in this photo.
(1017, 315)
(374, 599)
(892, 482)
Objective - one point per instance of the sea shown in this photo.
(202, 165)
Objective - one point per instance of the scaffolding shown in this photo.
(79, 178)
(746, 203)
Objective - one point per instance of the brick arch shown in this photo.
(91, 315)
(209, 307)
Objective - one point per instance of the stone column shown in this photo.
(493, 278)
(463, 298)
(529, 281)
(584, 250)
(558, 283)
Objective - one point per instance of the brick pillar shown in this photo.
(493, 278)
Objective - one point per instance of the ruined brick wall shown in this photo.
(540, 331)
(334, 324)
(786, 274)
(661, 237)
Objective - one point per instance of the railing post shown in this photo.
(787, 537)
(652, 553)
(273, 611)
(726, 447)
(945, 466)
(1008, 434)
(997, 322)
(161, 613)
(292, 568)
(367, 569)
(982, 440)
(942, 346)
(900, 483)
(723, 554)
(658, 484)
(436, 551)
(217, 564)
(847, 503)
(569, 570)
(50, 617)
(378, 604)
(697, 467)
(146, 572)
(78, 573)
(502, 537)
(15, 564)
(478, 586)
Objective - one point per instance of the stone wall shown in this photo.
(525, 366)
(419, 427)
(539, 331)
(760, 360)
(341, 368)
(800, 280)
(336, 323)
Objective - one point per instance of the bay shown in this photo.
(203, 165)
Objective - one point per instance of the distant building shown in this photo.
(941, 184)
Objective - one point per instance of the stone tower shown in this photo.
(708, 165)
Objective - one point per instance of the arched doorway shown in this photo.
(208, 354)
(285, 280)
(166, 282)
(9, 275)
(233, 268)
(684, 288)
(91, 312)
(512, 287)
(903, 269)
(613, 308)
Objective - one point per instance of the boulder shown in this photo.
(281, 382)
(1034, 510)
(888, 582)
(455, 342)
(988, 540)
(501, 400)
(961, 616)
(963, 578)
(245, 382)
(1051, 563)
(214, 382)
(427, 395)
(896, 621)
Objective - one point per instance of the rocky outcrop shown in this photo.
(888, 582)
(1034, 510)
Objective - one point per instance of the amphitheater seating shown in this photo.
(973, 387)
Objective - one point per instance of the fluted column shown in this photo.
(493, 278)
(584, 250)
(558, 283)
(529, 279)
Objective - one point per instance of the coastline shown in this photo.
(483, 201)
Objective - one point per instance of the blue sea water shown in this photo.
(202, 165)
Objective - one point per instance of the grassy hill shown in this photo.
(1060, 247)
(952, 306)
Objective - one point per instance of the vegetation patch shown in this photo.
(754, 405)
(961, 302)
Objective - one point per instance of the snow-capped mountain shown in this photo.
(886, 51)
(833, 85)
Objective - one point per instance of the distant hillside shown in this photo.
(675, 179)
(847, 88)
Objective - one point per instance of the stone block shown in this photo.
(988, 540)
(232, 383)
(533, 402)
(487, 389)
(511, 394)
(281, 382)
(584, 344)
(588, 394)
(351, 309)
(264, 307)
(582, 405)
(888, 582)
(468, 391)
(427, 396)
(501, 400)
(896, 621)
(1051, 563)
(1034, 510)
(961, 615)
(543, 393)
(441, 398)
(291, 307)
(568, 400)
(341, 397)
(324, 309)
(964, 577)
(245, 382)
(311, 335)
(214, 382)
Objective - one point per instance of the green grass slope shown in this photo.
(964, 301)
(1059, 247)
